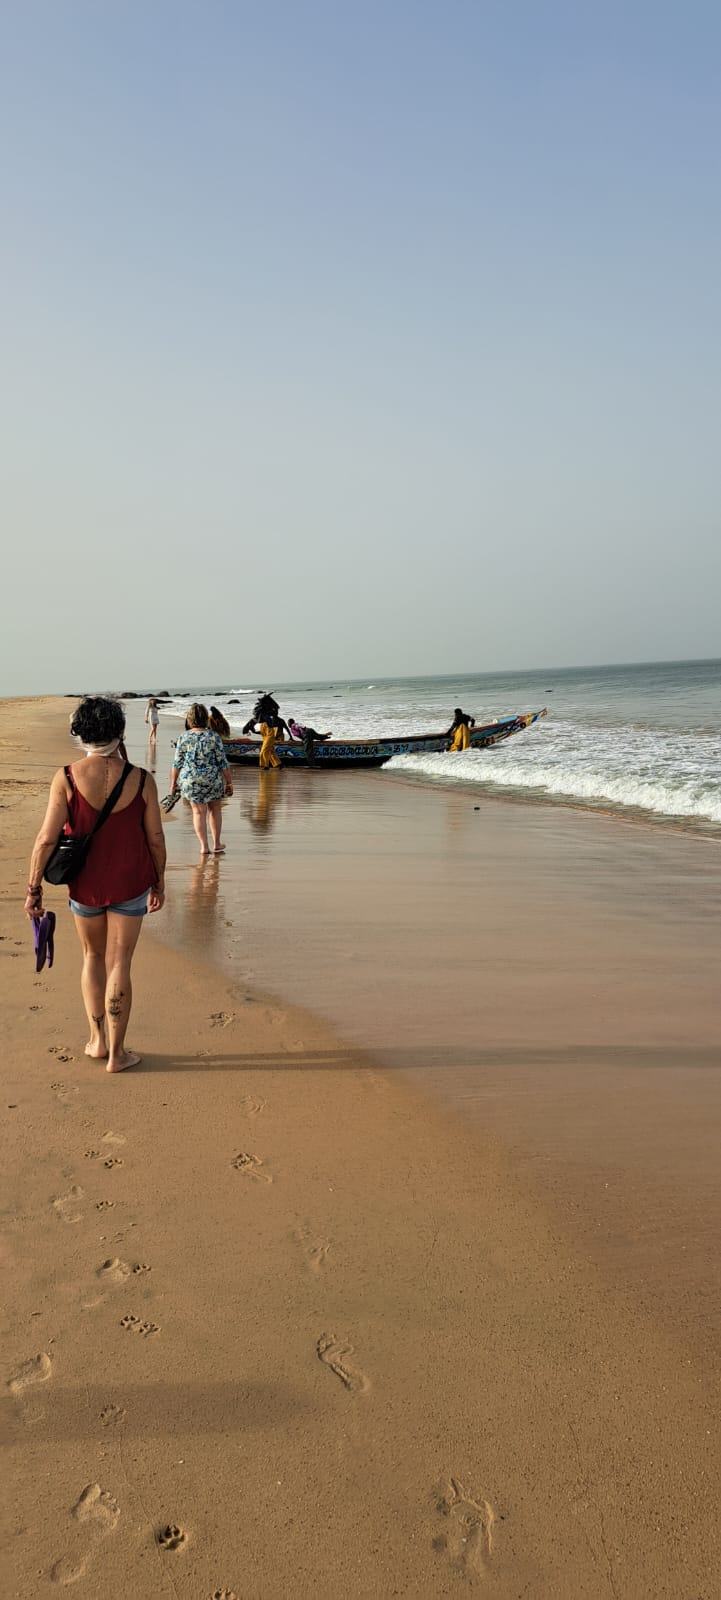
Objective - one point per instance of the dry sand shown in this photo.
(275, 1325)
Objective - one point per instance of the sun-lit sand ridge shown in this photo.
(276, 1325)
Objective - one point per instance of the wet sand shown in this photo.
(550, 975)
(383, 1344)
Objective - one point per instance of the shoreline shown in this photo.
(490, 1405)
(690, 828)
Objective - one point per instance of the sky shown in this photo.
(347, 338)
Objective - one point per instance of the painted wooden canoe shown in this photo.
(338, 753)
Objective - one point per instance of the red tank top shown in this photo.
(119, 865)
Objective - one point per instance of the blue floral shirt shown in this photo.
(201, 760)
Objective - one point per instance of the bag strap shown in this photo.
(143, 776)
(112, 797)
(69, 775)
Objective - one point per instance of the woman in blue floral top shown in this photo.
(201, 772)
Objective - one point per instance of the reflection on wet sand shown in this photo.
(261, 811)
(201, 904)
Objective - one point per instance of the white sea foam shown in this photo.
(672, 799)
(641, 771)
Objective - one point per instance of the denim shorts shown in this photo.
(123, 908)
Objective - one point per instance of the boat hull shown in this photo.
(336, 754)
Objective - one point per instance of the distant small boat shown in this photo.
(244, 752)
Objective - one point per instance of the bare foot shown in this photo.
(121, 1062)
(219, 850)
(96, 1050)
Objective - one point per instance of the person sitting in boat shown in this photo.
(297, 731)
(458, 733)
(309, 738)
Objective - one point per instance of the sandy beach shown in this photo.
(393, 1270)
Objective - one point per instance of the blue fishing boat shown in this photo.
(338, 753)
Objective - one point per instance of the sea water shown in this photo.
(643, 740)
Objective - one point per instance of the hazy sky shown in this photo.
(344, 338)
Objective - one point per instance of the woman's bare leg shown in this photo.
(92, 932)
(215, 819)
(123, 935)
(200, 823)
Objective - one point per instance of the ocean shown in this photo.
(641, 740)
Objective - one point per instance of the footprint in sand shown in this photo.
(66, 1571)
(108, 1161)
(67, 1205)
(314, 1250)
(61, 1089)
(61, 1052)
(114, 1138)
(136, 1325)
(114, 1270)
(332, 1352)
(221, 1019)
(251, 1166)
(104, 1205)
(97, 1505)
(171, 1537)
(140, 1267)
(112, 1416)
(224, 1594)
(467, 1539)
(249, 1106)
(98, 1512)
(37, 1370)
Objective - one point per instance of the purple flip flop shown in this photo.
(44, 937)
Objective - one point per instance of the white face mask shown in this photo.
(102, 749)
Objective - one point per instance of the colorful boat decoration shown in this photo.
(336, 753)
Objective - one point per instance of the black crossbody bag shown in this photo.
(71, 851)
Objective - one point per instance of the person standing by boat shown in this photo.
(266, 710)
(267, 721)
(458, 732)
(268, 734)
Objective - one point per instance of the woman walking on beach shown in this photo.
(122, 875)
(200, 770)
(151, 716)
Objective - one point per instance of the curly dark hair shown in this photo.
(97, 720)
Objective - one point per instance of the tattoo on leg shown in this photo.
(99, 1020)
(115, 1004)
